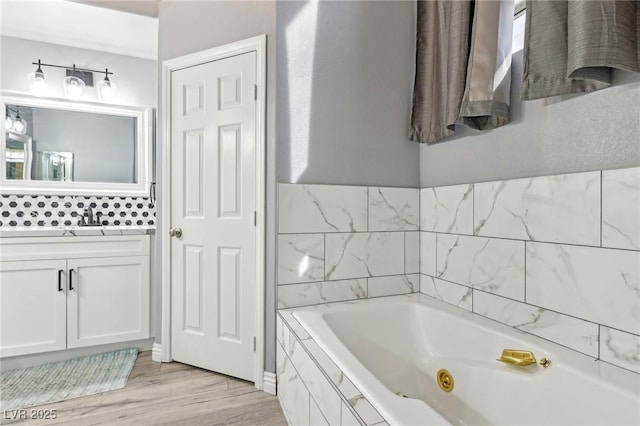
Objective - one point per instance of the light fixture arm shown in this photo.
(74, 82)
(40, 64)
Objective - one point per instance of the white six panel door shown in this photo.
(213, 199)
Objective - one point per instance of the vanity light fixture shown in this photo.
(76, 80)
(73, 85)
(15, 124)
(19, 125)
(8, 121)
(38, 81)
(106, 88)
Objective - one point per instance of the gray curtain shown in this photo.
(463, 67)
(573, 46)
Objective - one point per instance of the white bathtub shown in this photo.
(397, 344)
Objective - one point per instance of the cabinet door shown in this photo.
(32, 306)
(108, 300)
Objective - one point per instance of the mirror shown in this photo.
(65, 147)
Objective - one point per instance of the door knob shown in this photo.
(175, 232)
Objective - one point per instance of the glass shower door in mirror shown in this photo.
(56, 166)
(18, 156)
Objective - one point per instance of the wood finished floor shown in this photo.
(169, 394)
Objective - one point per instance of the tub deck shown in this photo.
(348, 376)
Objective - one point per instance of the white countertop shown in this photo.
(75, 231)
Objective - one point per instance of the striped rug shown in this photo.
(58, 381)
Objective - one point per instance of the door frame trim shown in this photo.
(256, 44)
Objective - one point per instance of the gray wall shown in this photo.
(190, 26)
(345, 74)
(599, 130)
(356, 92)
(103, 146)
(135, 77)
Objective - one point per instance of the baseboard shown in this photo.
(23, 361)
(269, 382)
(156, 352)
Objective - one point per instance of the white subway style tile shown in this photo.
(492, 265)
(621, 208)
(300, 258)
(367, 254)
(428, 253)
(297, 329)
(320, 389)
(564, 208)
(315, 415)
(620, 348)
(279, 330)
(321, 208)
(411, 252)
(596, 284)
(467, 245)
(293, 295)
(348, 390)
(292, 393)
(394, 209)
(389, 286)
(454, 294)
(568, 331)
(447, 209)
(348, 418)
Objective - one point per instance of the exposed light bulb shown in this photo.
(106, 88)
(19, 125)
(38, 82)
(73, 87)
(8, 123)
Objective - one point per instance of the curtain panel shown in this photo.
(574, 46)
(463, 67)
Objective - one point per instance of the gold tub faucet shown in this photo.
(516, 357)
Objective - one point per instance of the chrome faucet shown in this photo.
(89, 218)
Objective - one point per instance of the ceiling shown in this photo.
(139, 7)
(78, 24)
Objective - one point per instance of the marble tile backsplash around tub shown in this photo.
(53, 210)
(340, 243)
(556, 256)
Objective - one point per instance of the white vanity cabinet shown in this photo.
(33, 311)
(70, 292)
(108, 300)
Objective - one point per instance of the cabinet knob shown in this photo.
(175, 232)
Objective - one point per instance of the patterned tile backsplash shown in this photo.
(54, 210)
(555, 256)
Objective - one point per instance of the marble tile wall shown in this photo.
(556, 256)
(340, 243)
(311, 387)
